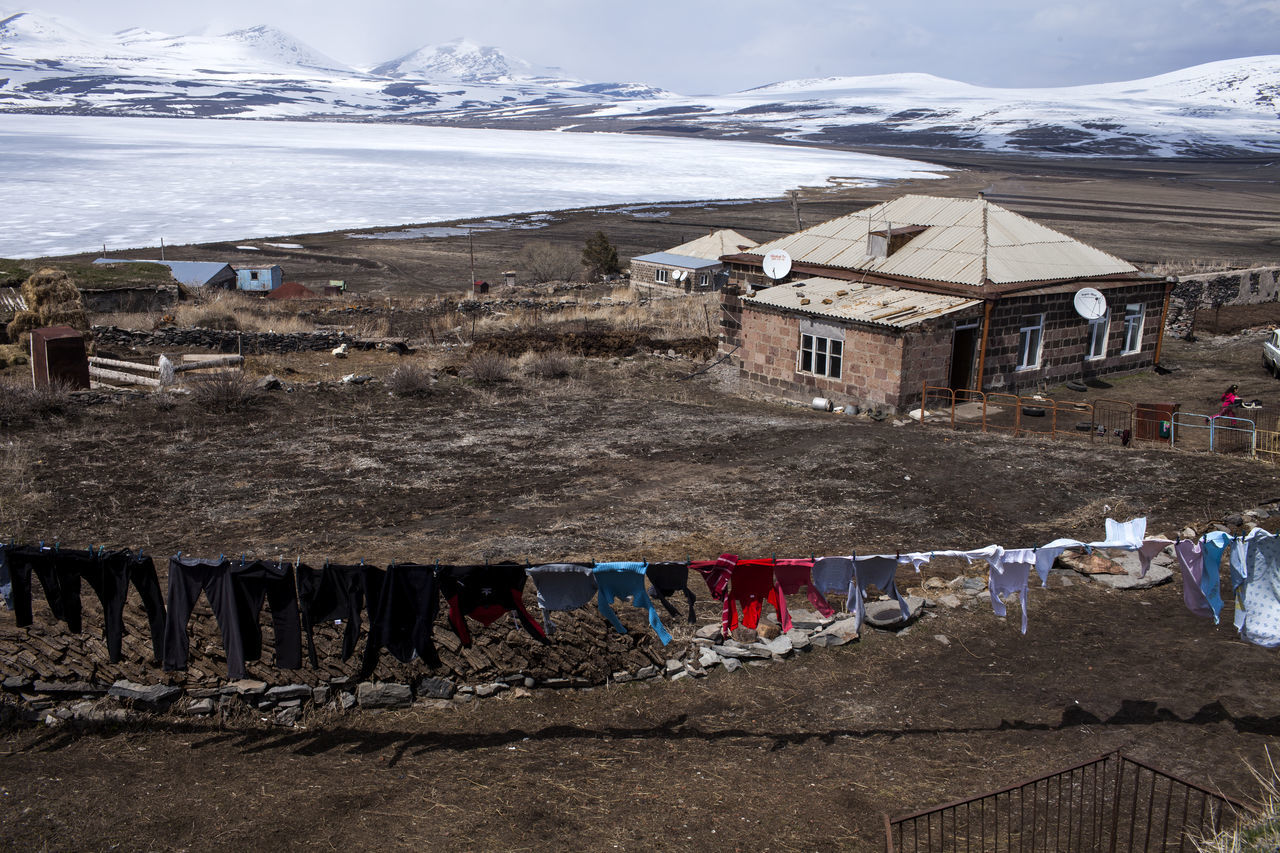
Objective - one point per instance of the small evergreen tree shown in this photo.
(600, 257)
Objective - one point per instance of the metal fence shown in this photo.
(1103, 421)
(1109, 803)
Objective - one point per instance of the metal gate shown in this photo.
(1109, 803)
(1213, 433)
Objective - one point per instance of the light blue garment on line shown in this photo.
(1210, 580)
(626, 580)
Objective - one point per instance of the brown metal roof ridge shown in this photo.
(970, 291)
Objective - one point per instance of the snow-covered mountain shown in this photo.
(1225, 108)
(466, 62)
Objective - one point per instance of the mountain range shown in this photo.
(1225, 108)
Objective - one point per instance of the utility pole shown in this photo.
(795, 207)
(471, 247)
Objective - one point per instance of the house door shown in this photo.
(964, 354)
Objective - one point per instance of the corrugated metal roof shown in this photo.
(958, 243)
(876, 304)
(683, 261)
(715, 245)
(190, 273)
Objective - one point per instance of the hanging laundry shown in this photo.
(835, 574)
(6, 585)
(752, 583)
(1047, 555)
(485, 593)
(791, 575)
(335, 593)
(1214, 544)
(109, 575)
(187, 579)
(1240, 551)
(272, 582)
(1191, 559)
(666, 580)
(626, 580)
(403, 604)
(1262, 600)
(61, 584)
(878, 571)
(716, 573)
(561, 586)
(1010, 574)
(1128, 535)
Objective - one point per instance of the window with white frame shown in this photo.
(821, 356)
(1133, 317)
(1098, 330)
(660, 276)
(1030, 341)
(704, 279)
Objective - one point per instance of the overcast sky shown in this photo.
(716, 46)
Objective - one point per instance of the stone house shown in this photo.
(691, 266)
(951, 293)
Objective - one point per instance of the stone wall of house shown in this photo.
(927, 353)
(645, 273)
(1216, 289)
(768, 344)
(142, 300)
(1066, 338)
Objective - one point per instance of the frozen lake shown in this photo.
(72, 184)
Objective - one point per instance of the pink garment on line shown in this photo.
(793, 574)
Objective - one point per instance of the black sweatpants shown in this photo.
(334, 592)
(403, 604)
(109, 575)
(187, 579)
(60, 580)
(272, 582)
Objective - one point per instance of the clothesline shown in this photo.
(402, 601)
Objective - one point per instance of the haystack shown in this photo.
(52, 300)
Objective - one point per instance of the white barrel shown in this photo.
(822, 404)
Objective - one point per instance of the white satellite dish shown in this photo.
(777, 264)
(682, 275)
(1090, 303)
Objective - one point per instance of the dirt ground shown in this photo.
(644, 457)
(633, 460)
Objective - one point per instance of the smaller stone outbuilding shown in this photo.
(692, 266)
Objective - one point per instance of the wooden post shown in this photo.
(1164, 316)
(982, 347)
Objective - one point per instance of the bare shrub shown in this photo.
(549, 262)
(20, 403)
(488, 368)
(410, 379)
(223, 391)
(550, 365)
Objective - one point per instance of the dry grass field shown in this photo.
(609, 455)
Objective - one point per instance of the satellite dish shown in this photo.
(682, 275)
(1090, 303)
(777, 264)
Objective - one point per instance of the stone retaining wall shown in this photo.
(1215, 289)
(218, 340)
